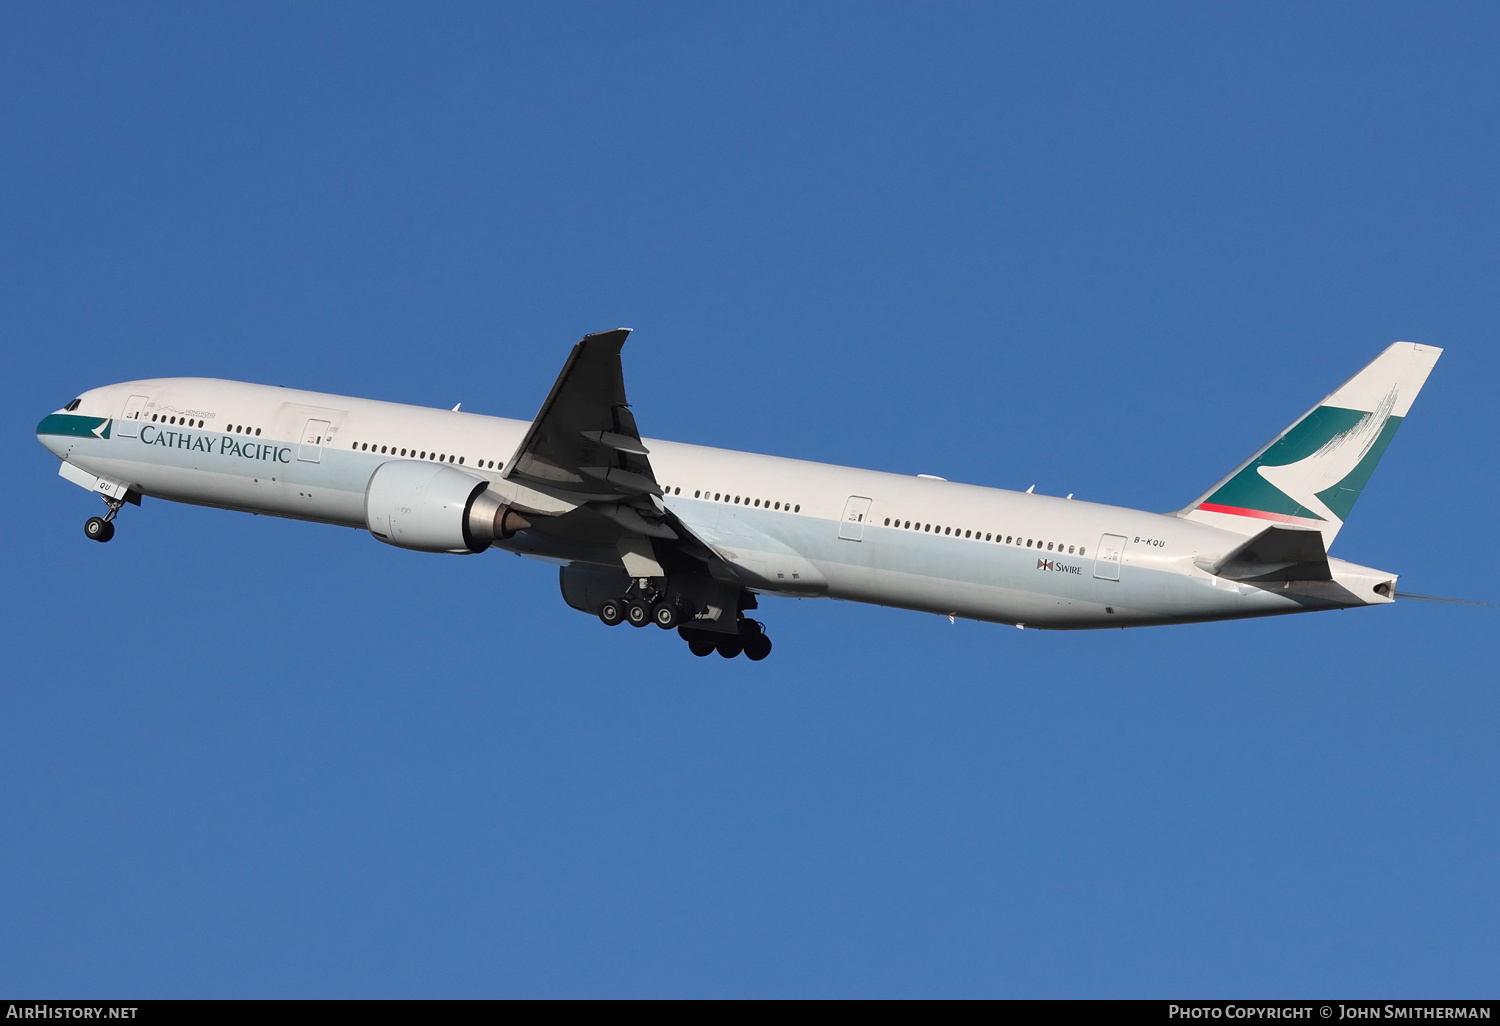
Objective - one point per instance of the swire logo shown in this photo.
(1044, 564)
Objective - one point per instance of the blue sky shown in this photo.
(1103, 249)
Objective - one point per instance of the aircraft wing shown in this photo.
(584, 448)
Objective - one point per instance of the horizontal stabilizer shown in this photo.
(1278, 553)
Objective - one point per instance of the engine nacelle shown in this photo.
(432, 507)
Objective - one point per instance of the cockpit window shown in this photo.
(74, 404)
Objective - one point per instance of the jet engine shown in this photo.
(432, 507)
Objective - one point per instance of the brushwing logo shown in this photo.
(1335, 460)
(1313, 474)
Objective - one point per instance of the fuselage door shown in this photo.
(852, 527)
(130, 417)
(1107, 557)
(313, 436)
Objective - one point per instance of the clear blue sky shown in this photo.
(1106, 249)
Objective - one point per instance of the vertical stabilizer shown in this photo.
(1311, 474)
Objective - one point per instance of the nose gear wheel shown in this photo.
(102, 529)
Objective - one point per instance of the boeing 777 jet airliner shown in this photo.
(688, 537)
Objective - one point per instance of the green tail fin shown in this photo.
(1311, 474)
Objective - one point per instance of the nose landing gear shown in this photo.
(102, 529)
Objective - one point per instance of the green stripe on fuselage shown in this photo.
(73, 424)
(1248, 490)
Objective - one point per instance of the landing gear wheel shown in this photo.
(757, 647)
(701, 648)
(638, 613)
(99, 529)
(612, 612)
(664, 615)
(729, 647)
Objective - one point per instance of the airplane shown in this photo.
(688, 537)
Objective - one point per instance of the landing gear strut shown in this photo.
(102, 529)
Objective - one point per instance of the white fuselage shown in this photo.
(785, 526)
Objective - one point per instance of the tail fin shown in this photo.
(1311, 474)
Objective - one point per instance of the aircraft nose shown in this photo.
(46, 433)
(57, 430)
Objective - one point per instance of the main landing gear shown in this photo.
(644, 603)
(102, 529)
(638, 611)
(751, 640)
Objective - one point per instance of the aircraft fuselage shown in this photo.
(780, 526)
